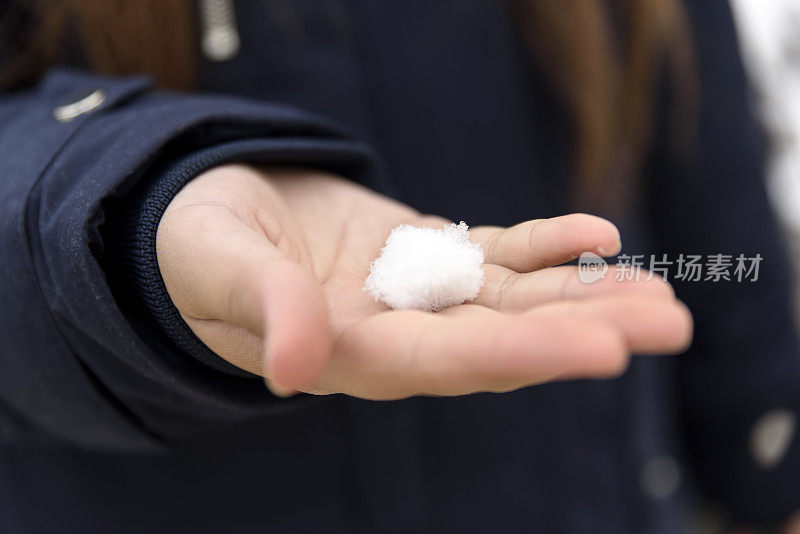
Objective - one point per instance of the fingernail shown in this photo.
(602, 251)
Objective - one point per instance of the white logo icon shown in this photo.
(591, 267)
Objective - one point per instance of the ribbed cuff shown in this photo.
(135, 230)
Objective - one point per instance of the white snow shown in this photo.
(426, 268)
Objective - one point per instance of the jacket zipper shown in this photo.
(220, 36)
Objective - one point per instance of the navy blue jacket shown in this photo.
(113, 417)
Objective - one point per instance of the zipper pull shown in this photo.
(220, 36)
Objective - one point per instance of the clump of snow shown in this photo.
(426, 268)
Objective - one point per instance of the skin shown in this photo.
(267, 267)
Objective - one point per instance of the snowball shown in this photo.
(426, 269)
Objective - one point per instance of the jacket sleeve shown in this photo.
(745, 361)
(90, 354)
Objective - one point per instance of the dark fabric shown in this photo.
(133, 234)
(744, 357)
(116, 418)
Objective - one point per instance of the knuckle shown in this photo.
(534, 230)
(490, 247)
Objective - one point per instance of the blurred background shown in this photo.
(769, 37)
(769, 41)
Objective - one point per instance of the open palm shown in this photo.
(267, 268)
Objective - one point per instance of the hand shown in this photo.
(267, 268)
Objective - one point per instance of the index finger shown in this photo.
(541, 243)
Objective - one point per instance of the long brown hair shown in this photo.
(606, 81)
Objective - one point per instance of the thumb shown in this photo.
(291, 309)
(220, 270)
